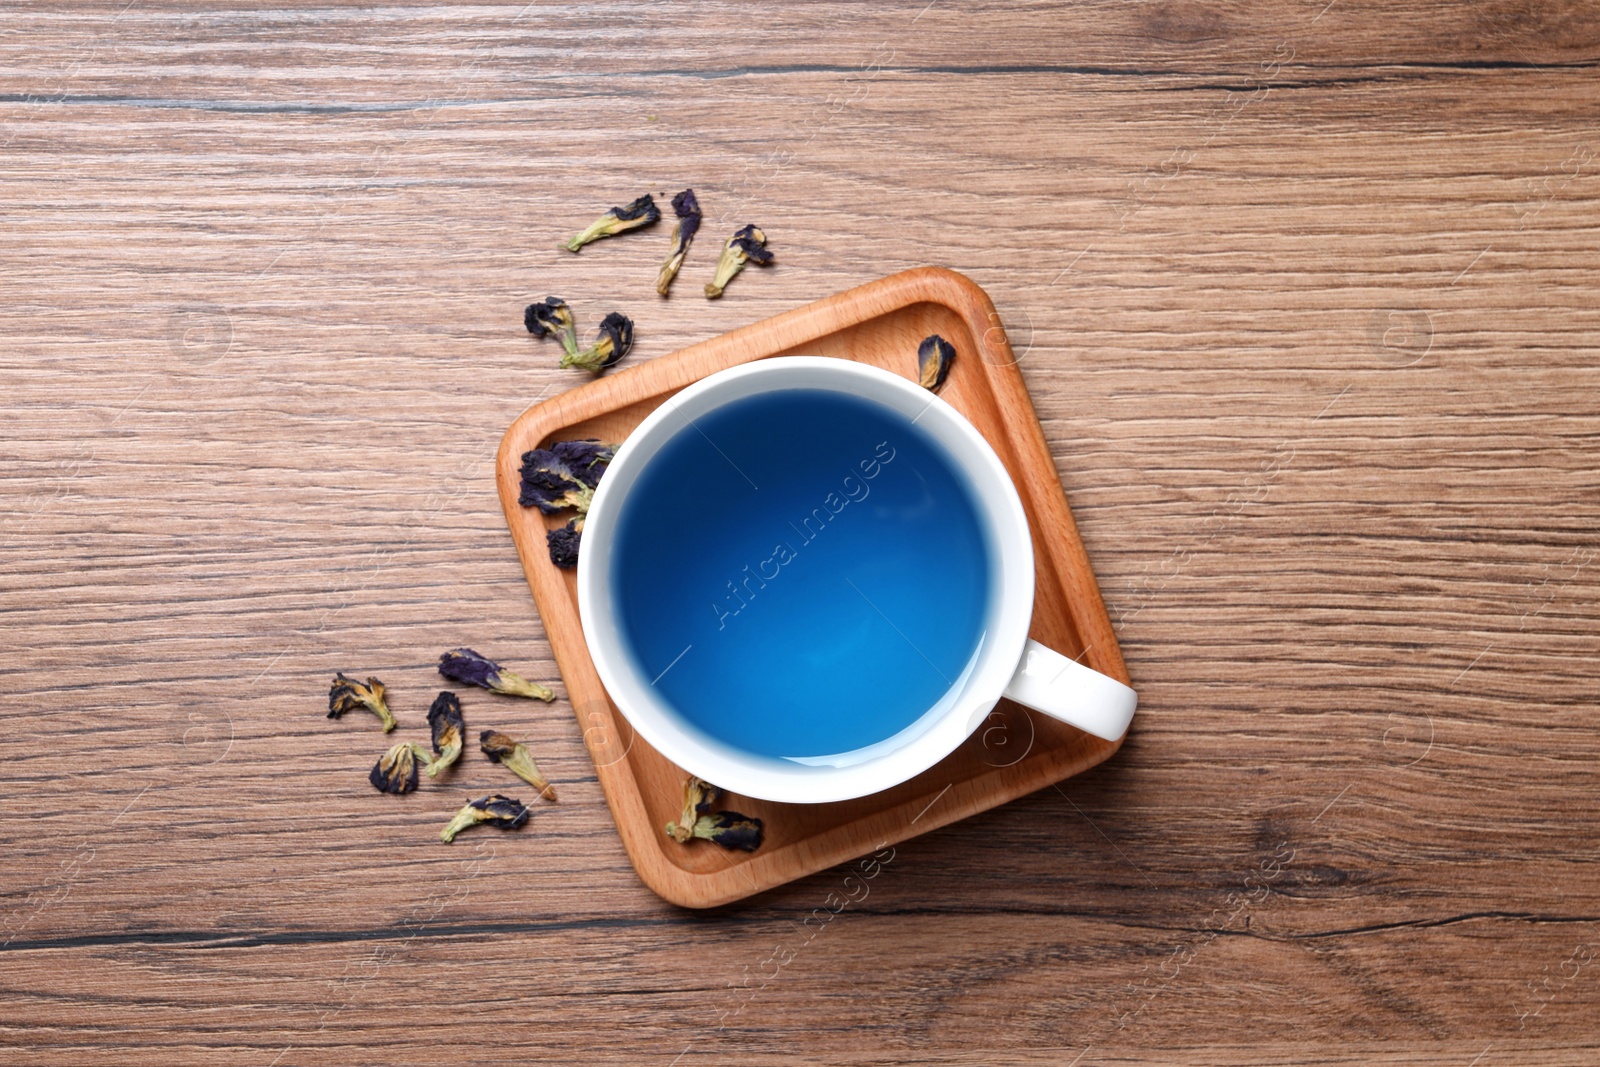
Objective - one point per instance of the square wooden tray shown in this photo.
(1015, 752)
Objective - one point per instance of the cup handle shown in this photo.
(1065, 689)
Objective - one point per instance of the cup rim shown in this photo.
(940, 730)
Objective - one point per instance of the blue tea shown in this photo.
(803, 573)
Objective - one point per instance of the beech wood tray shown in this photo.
(1015, 752)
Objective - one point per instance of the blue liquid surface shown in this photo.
(802, 573)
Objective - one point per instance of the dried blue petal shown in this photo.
(469, 668)
(687, 209)
(642, 212)
(564, 476)
(610, 345)
(347, 694)
(449, 731)
(396, 771)
(727, 828)
(934, 357)
(563, 543)
(496, 810)
(730, 830)
(552, 317)
(587, 459)
(753, 243)
(550, 484)
(747, 244)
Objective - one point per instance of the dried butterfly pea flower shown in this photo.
(516, 758)
(610, 345)
(396, 771)
(934, 357)
(496, 810)
(552, 318)
(730, 830)
(587, 458)
(551, 484)
(698, 796)
(746, 244)
(563, 476)
(449, 731)
(727, 828)
(469, 668)
(687, 208)
(563, 543)
(642, 212)
(347, 694)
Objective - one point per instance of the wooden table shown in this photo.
(1306, 293)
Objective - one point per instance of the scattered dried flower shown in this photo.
(642, 212)
(610, 345)
(347, 694)
(747, 244)
(449, 731)
(516, 758)
(564, 542)
(496, 810)
(467, 667)
(727, 828)
(934, 357)
(687, 208)
(396, 772)
(552, 318)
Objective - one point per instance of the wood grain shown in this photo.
(1305, 297)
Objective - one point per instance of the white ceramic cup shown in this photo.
(1007, 664)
